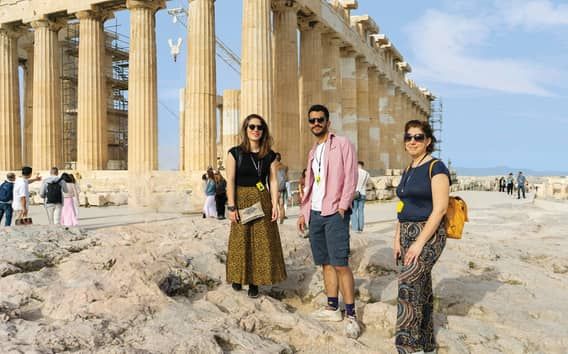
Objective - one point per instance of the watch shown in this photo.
(232, 208)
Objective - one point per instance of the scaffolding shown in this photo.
(436, 121)
(116, 68)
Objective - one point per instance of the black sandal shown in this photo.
(253, 291)
(237, 287)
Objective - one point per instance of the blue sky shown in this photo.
(500, 67)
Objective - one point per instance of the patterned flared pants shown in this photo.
(415, 311)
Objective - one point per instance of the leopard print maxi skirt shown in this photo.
(255, 251)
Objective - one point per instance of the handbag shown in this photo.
(251, 213)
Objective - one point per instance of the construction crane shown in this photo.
(180, 14)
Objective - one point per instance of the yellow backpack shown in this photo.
(456, 215)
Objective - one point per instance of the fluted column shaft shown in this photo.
(28, 107)
(201, 90)
(311, 64)
(286, 125)
(10, 141)
(256, 67)
(363, 110)
(47, 118)
(142, 87)
(374, 128)
(331, 80)
(231, 119)
(399, 131)
(92, 140)
(349, 94)
(387, 123)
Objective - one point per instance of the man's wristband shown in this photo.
(232, 208)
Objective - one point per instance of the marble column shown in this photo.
(10, 137)
(286, 125)
(201, 91)
(374, 127)
(47, 117)
(92, 136)
(182, 129)
(398, 151)
(28, 107)
(363, 126)
(256, 68)
(231, 120)
(142, 86)
(310, 78)
(331, 80)
(349, 94)
(387, 122)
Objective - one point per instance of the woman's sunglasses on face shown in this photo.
(259, 127)
(419, 138)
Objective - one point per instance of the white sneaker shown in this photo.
(352, 328)
(328, 315)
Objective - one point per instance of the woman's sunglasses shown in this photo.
(256, 127)
(417, 137)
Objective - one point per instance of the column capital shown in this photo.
(285, 5)
(54, 26)
(12, 31)
(154, 5)
(310, 24)
(99, 15)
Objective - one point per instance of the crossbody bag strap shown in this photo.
(432, 163)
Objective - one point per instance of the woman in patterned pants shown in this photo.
(420, 238)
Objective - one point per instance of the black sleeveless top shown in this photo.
(250, 169)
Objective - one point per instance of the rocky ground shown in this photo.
(157, 287)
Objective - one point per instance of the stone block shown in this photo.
(97, 199)
(120, 198)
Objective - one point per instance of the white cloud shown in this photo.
(533, 14)
(444, 45)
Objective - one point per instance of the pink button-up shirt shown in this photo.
(340, 171)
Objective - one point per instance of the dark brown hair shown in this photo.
(423, 125)
(265, 141)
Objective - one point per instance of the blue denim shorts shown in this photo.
(329, 238)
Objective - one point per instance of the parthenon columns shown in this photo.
(256, 68)
(47, 119)
(27, 142)
(92, 148)
(142, 87)
(10, 141)
(286, 124)
(310, 77)
(349, 94)
(331, 84)
(231, 120)
(387, 122)
(398, 129)
(374, 127)
(363, 110)
(201, 90)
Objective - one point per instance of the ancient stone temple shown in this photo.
(344, 62)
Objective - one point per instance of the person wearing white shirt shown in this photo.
(358, 219)
(21, 201)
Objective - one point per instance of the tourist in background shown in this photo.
(358, 220)
(209, 207)
(220, 195)
(419, 239)
(331, 179)
(21, 202)
(69, 215)
(77, 192)
(51, 191)
(255, 252)
(521, 185)
(502, 184)
(510, 184)
(6, 198)
(282, 176)
(302, 185)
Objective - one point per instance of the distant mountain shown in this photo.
(504, 170)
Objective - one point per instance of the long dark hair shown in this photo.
(265, 141)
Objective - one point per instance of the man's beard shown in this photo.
(321, 133)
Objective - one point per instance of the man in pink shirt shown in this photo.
(331, 179)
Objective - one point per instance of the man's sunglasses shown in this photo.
(417, 137)
(259, 127)
(320, 120)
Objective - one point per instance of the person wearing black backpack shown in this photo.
(52, 191)
(6, 198)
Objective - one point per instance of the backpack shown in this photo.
(6, 191)
(456, 215)
(54, 194)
